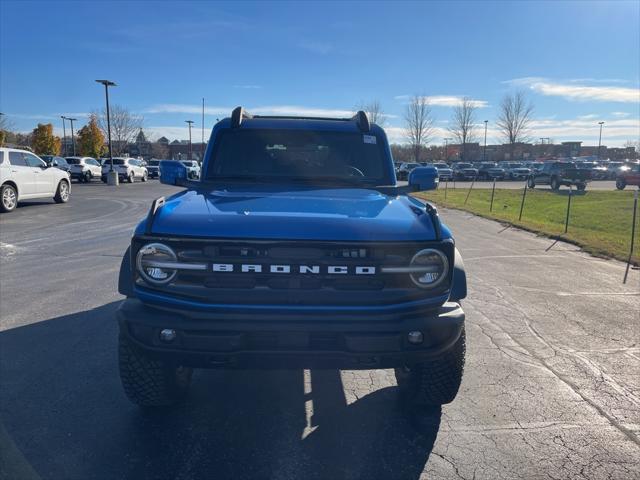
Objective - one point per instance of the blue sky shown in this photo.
(578, 61)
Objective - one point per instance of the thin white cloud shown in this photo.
(293, 110)
(588, 117)
(620, 114)
(575, 92)
(598, 80)
(446, 100)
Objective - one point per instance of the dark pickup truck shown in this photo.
(557, 174)
(294, 249)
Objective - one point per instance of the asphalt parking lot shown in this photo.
(551, 386)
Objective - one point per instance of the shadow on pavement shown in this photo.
(63, 408)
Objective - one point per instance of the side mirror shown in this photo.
(423, 178)
(172, 172)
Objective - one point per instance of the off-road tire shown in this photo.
(555, 184)
(61, 196)
(620, 184)
(436, 382)
(148, 382)
(8, 198)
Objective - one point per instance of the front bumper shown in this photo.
(217, 339)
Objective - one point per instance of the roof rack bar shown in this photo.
(237, 115)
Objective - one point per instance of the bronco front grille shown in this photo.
(302, 275)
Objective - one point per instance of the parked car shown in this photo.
(597, 171)
(84, 169)
(57, 162)
(613, 169)
(444, 171)
(630, 176)
(405, 169)
(490, 171)
(193, 168)
(24, 176)
(516, 170)
(464, 171)
(153, 167)
(127, 168)
(557, 174)
(255, 272)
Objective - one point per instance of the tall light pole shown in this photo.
(190, 122)
(73, 139)
(600, 139)
(64, 134)
(446, 149)
(484, 151)
(202, 139)
(112, 177)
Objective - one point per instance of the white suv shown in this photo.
(127, 168)
(84, 169)
(24, 175)
(193, 168)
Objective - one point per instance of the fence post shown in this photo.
(566, 221)
(446, 186)
(633, 233)
(524, 194)
(469, 192)
(493, 192)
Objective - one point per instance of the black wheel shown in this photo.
(8, 198)
(87, 177)
(435, 382)
(144, 177)
(130, 178)
(150, 383)
(62, 193)
(620, 184)
(104, 178)
(531, 183)
(555, 184)
(581, 187)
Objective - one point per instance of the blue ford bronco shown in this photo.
(295, 249)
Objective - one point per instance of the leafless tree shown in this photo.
(514, 118)
(374, 111)
(124, 127)
(419, 124)
(463, 124)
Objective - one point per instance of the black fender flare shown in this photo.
(125, 278)
(459, 284)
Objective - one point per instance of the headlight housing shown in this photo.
(429, 268)
(153, 263)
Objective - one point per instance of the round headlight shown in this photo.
(151, 262)
(429, 268)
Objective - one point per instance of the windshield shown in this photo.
(73, 161)
(153, 163)
(441, 165)
(465, 165)
(298, 154)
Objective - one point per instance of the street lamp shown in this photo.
(190, 122)
(112, 177)
(73, 139)
(64, 134)
(600, 139)
(484, 151)
(446, 149)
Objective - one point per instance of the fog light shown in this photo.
(167, 335)
(415, 337)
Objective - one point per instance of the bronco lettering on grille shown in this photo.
(301, 269)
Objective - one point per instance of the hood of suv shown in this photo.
(305, 214)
